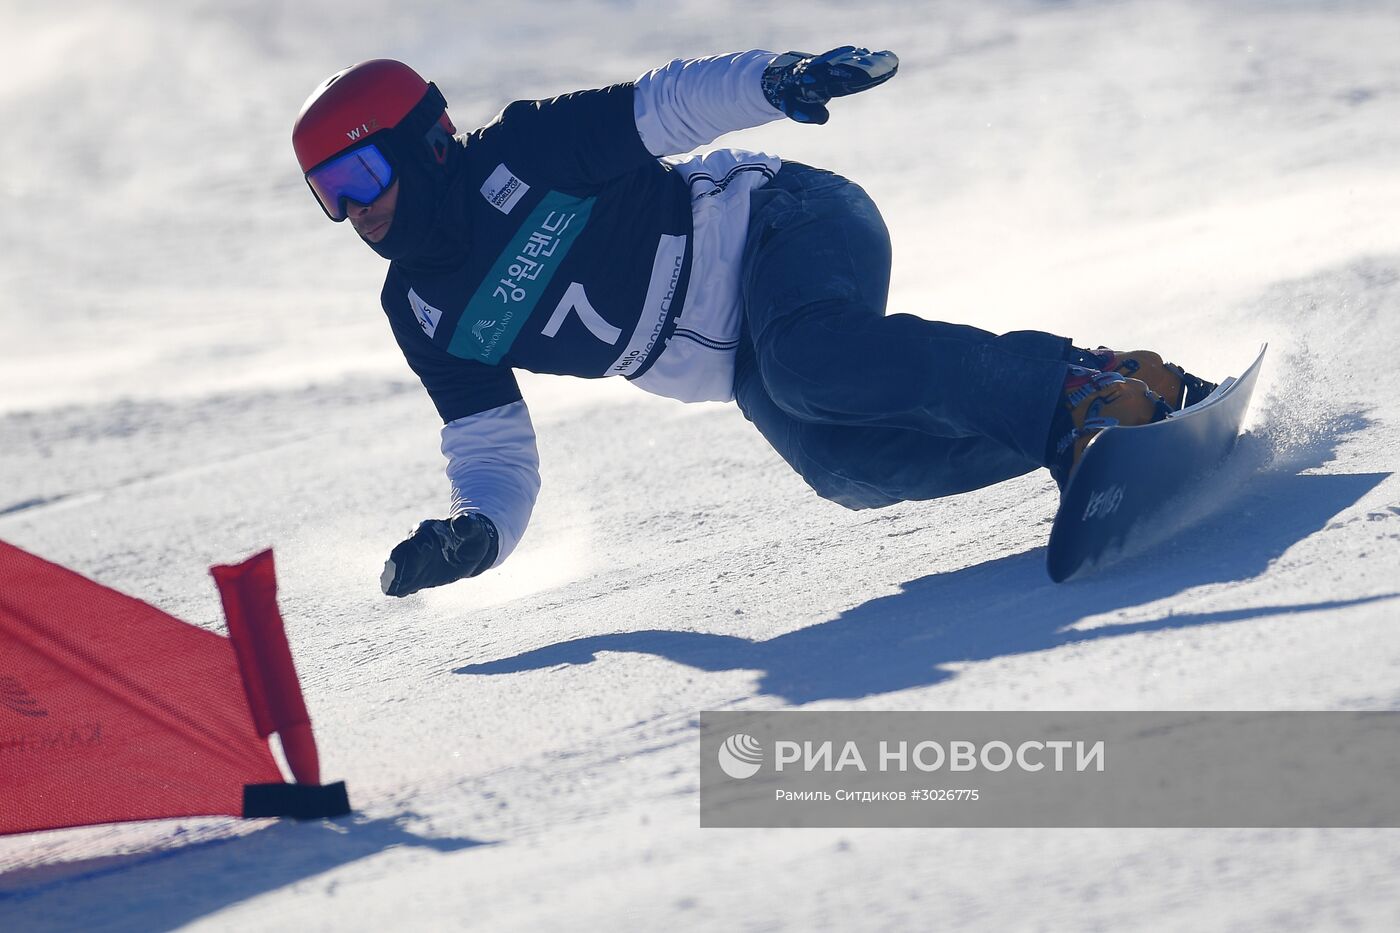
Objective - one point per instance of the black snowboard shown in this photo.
(1130, 476)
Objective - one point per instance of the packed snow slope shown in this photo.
(193, 366)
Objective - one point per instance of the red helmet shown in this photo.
(363, 127)
(358, 102)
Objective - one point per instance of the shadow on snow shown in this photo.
(167, 888)
(999, 608)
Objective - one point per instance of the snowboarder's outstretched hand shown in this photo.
(440, 551)
(800, 84)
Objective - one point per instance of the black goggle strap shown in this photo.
(422, 122)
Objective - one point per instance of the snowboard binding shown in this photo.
(1178, 388)
(1094, 400)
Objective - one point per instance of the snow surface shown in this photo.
(193, 366)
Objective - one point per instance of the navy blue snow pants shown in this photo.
(873, 409)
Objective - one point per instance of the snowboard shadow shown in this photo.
(1000, 608)
(167, 888)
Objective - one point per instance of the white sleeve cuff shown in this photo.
(692, 102)
(494, 468)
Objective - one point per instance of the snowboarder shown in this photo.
(555, 239)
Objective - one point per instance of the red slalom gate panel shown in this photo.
(249, 592)
(111, 710)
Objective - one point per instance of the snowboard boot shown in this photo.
(1174, 385)
(1094, 400)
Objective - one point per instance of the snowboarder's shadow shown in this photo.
(1003, 607)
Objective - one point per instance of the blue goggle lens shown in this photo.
(360, 176)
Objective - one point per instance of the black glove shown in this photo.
(799, 83)
(440, 551)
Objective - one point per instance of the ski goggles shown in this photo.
(360, 175)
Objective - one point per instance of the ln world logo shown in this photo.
(740, 756)
(503, 190)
